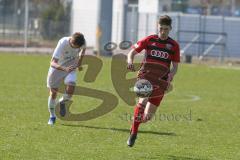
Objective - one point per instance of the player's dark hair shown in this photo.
(165, 20)
(78, 39)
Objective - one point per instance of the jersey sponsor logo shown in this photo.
(69, 58)
(159, 54)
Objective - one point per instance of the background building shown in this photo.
(104, 21)
(206, 35)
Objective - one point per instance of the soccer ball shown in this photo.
(143, 88)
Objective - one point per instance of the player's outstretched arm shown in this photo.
(81, 55)
(54, 64)
(130, 59)
(173, 71)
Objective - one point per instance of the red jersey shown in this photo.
(159, 51)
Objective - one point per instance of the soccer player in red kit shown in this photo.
(159, 66)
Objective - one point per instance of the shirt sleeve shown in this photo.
(176, 57)
(140, 45)
(58, 51)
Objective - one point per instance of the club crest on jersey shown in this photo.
(136, 45)
(169, 46)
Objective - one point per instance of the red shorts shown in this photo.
(157, 76)
(157, 95)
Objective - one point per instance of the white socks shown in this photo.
(65, 97)
(51, 106)
(52, 103)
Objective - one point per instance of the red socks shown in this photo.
(138, 116)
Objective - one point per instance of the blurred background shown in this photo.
(204, 28)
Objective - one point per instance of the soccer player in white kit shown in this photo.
(67, 57)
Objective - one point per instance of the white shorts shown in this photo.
(56, 77)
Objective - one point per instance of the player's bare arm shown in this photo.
(130, 59)
(81, 55)
(173, 71)
(54, 64)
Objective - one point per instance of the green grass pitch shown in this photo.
(199, 120)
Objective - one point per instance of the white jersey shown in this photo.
(65, 54)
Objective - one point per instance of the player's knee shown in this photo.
(70, 88)
(53, 93)
(70, 83)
